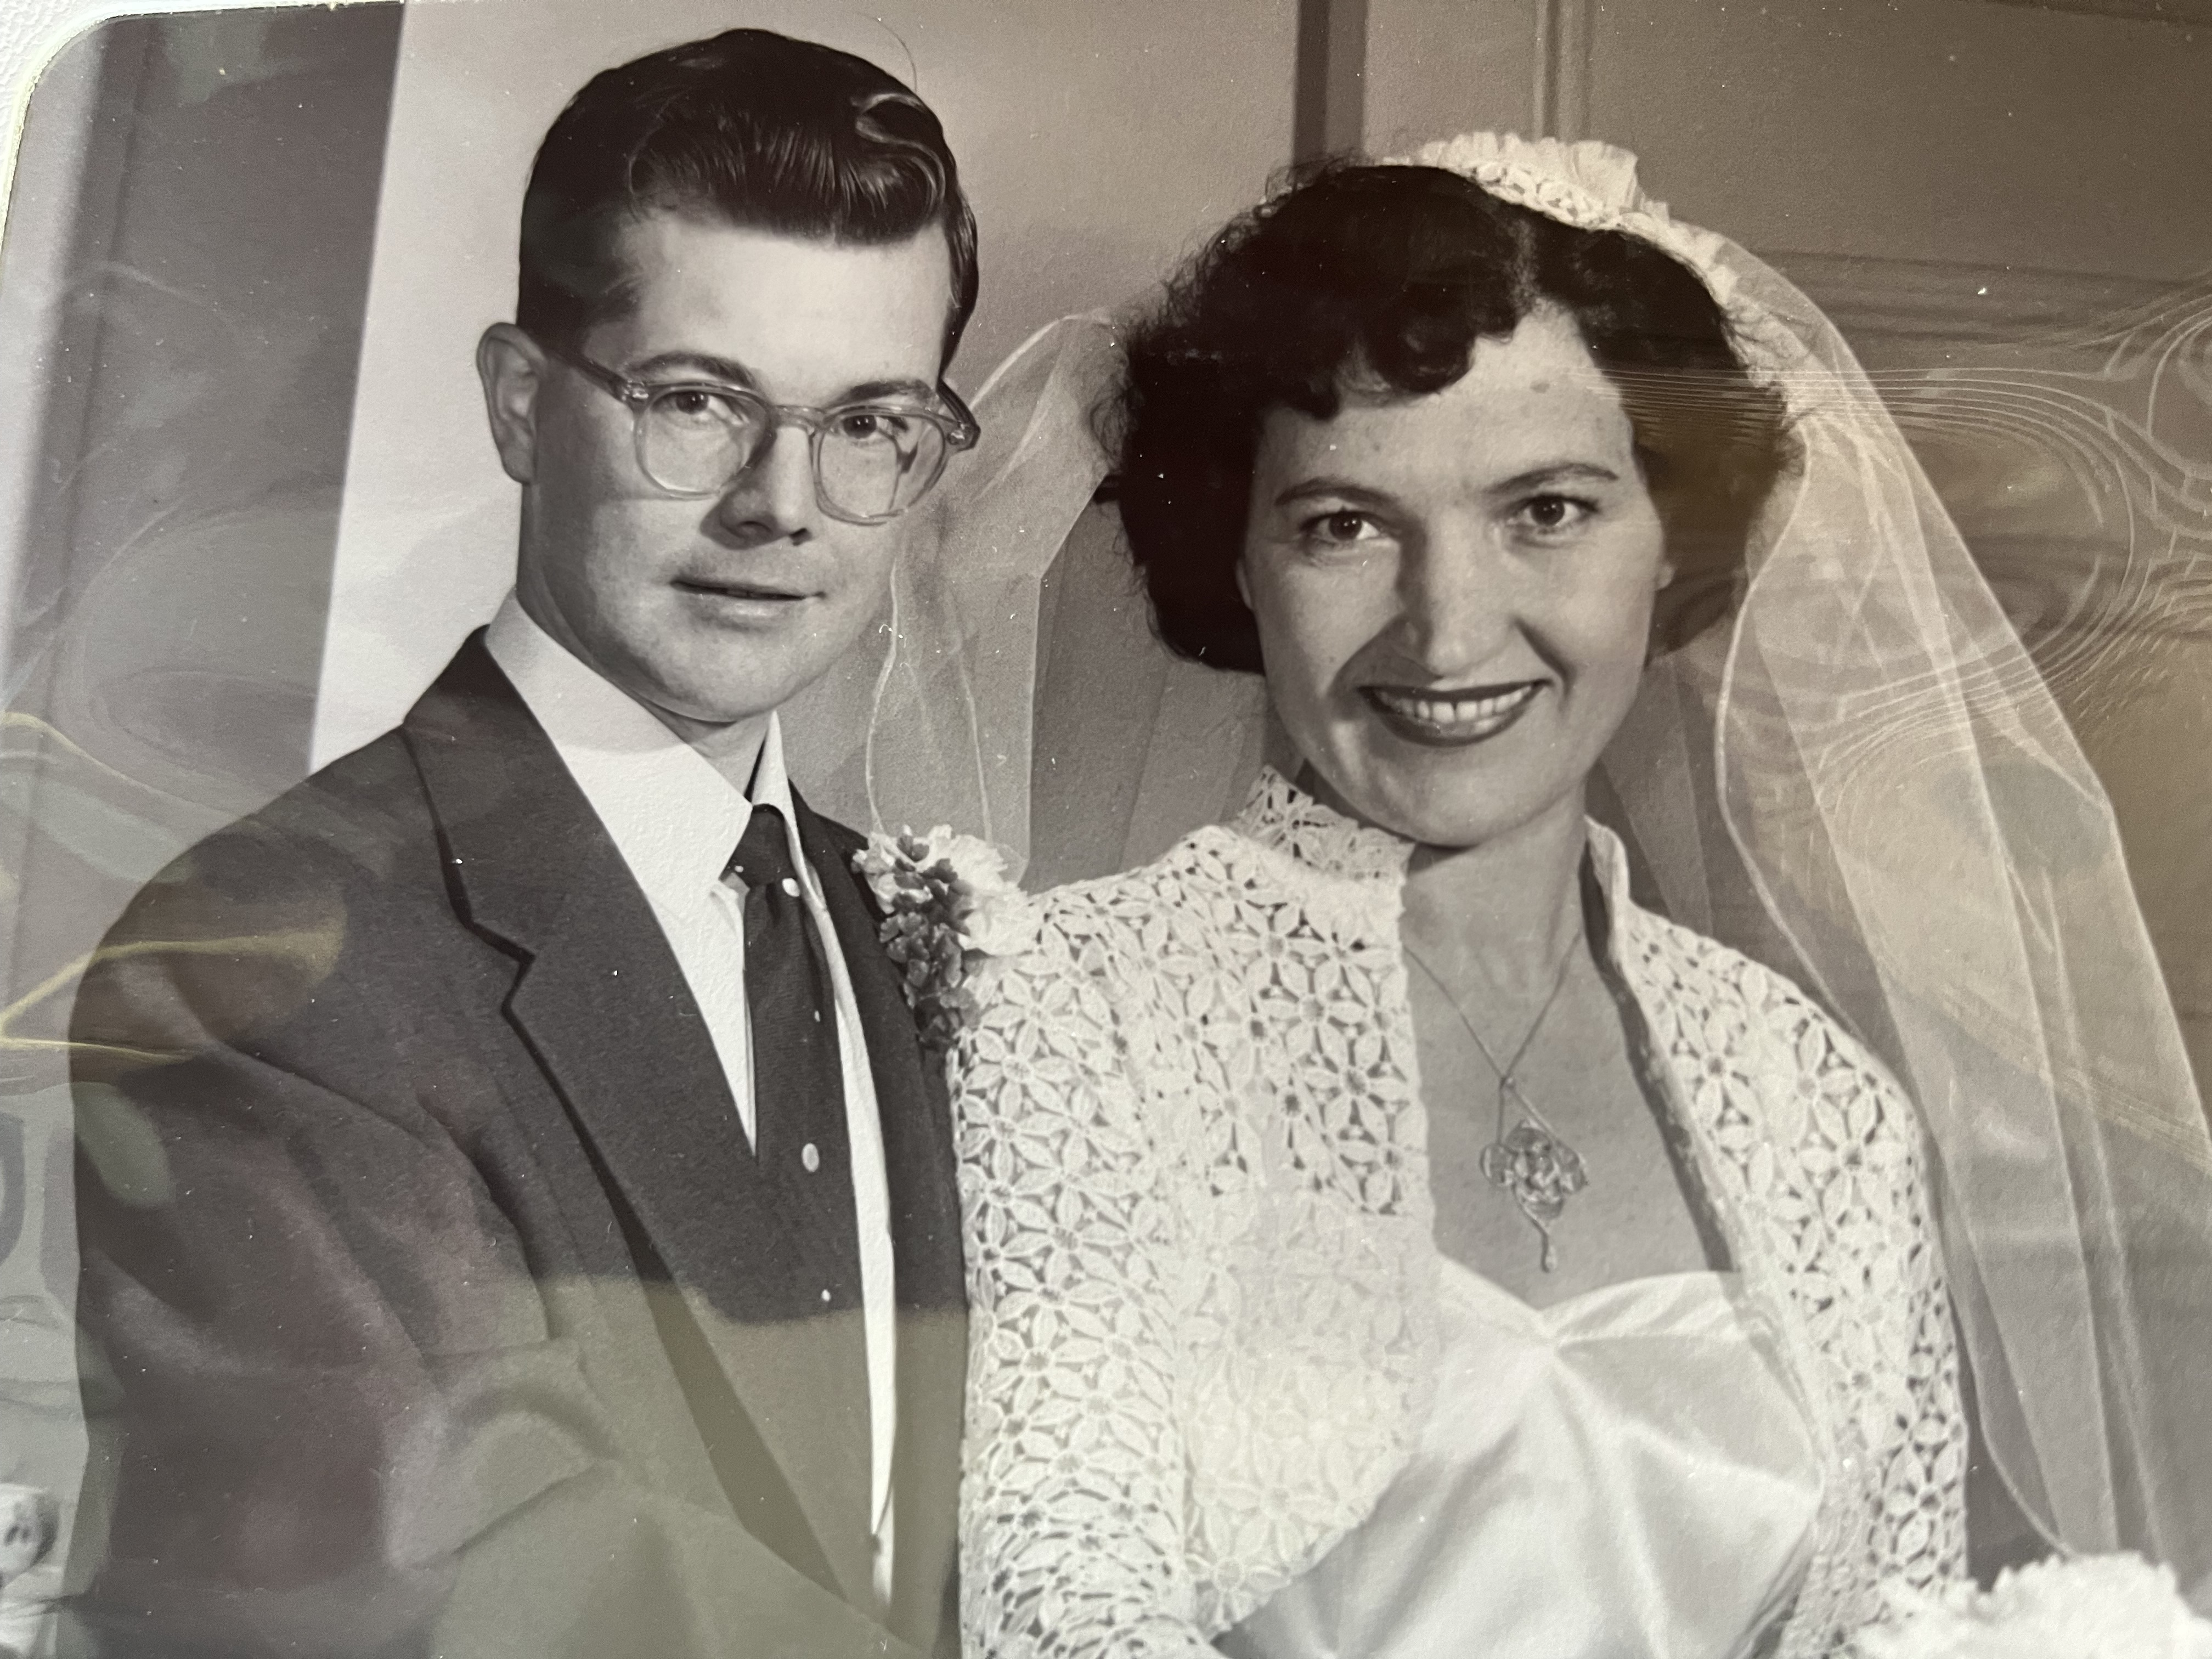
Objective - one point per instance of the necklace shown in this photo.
(1531, 1163)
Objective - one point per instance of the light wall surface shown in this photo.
(1439, 67)
(1944, 130)
(1954, 131)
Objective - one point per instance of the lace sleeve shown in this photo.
(1879, 1312)
(1916, 1437)
(1921, 1445)
(1935, 1449)
(1073, 1490)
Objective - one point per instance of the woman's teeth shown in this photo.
(1466, 714)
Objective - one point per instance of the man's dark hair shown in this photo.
(750, 127)
(1384, 278)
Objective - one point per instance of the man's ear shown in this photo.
(1244, 585)
(512, 366)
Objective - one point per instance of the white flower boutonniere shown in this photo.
(2099, 1606)
(947, 903)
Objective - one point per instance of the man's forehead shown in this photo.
(695, 264)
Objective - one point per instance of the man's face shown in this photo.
(716, 610)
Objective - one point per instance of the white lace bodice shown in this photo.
(1204, 1284)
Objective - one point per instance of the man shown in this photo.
(518, 1216)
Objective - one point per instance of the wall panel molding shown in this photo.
(1330, 113)
(2183, 13)
(1565, 30)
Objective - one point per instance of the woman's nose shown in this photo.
(773, 497)
(1458, 599)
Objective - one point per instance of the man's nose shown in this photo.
(773, 498)
(1458, 595)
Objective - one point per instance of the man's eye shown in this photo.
(876, 426)
(698, 406)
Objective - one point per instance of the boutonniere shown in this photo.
(2085, 1608)
(947, 903)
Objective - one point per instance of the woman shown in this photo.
(1386, 1237)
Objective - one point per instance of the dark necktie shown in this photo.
(800, 1148)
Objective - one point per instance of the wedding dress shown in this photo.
(1213, 1336)
(1504, 1535)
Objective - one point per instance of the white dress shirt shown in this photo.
(676, 820)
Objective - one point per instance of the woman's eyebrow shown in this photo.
(1553, 472)
(1308, 489)
(1534, 478)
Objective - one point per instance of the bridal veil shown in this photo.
(1856, 775)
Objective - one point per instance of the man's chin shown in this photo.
(718, 678)
(708, 700)
(719, 710)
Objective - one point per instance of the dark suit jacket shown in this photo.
(418, 1283)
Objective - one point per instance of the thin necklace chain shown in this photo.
(1532, 1163)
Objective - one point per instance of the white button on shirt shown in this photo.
(676, 820)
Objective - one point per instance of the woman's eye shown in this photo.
(1340, 529)
(1552, 514)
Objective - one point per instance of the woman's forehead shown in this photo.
(1536, 397)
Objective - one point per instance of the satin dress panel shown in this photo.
(1625, 1475)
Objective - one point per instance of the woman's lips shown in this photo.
(1451, 718)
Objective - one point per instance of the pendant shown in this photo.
(1541, 1172)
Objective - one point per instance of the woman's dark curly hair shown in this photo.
(1384, 277)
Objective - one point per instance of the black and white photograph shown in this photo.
(997, 830)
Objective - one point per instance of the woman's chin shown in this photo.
(1428, 817)
(1450, 814)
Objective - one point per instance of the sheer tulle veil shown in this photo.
(1858, 776)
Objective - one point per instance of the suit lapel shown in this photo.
(601, 1001)
(920, 1166)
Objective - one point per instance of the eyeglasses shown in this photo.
(871, 461)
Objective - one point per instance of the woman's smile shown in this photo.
(1446, 718)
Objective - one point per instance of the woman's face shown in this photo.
(1454, 592)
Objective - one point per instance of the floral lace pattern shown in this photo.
(1204, 1283)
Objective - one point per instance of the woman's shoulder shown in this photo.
(1661, 954)
(1110, 975)
(1192, 903)
(1722, 1017)
(1110, 931)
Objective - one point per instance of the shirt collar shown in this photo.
(674, 819)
